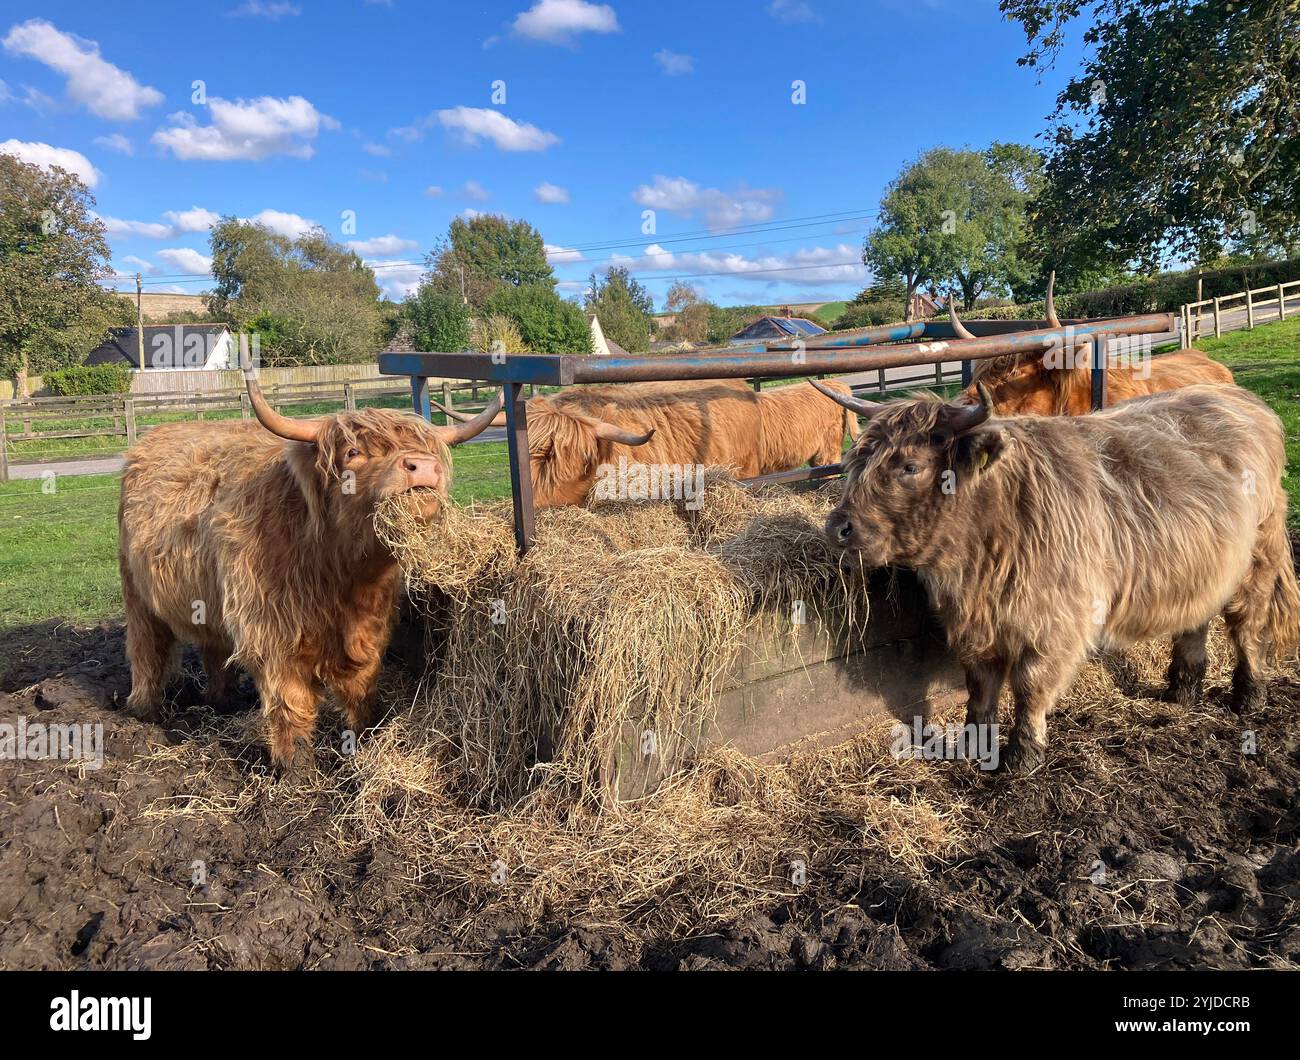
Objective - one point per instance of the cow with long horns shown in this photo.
(1024, 384)
(1041, 539)
(256, 542)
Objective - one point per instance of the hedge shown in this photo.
(89, 379)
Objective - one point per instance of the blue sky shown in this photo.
(378, 121)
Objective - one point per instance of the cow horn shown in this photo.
(1050, 304)
(965, 418)
(283, 426)
(862, 408)
(959, 329)
(473, 427)
(464, 417)
(612, 432)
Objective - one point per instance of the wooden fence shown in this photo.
(1236, 311)
(121, 415)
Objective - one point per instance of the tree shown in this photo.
(52, 255)
(438, 321)
(623, 306)
(1178, 134)
(484, 253)
(957, 218)
(311, 300)
(546, 322)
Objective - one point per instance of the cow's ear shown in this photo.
(303, 459)
(979, 450)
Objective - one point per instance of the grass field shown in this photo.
(58, 549)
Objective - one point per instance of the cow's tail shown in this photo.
(851, 424)
(1282, 612)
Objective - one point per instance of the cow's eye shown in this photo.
(911, 469)
(353, 454)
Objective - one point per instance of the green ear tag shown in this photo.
(984, 458)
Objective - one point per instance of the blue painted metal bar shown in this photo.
(420, 397)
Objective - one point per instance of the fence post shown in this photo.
(349, 398)
(243, 406)
(880, 380)
(1281, 303)
(1218, 327)
(4, 448)
(1250, 311)
(128, 407)
(446, 394)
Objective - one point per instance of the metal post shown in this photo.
(4, 448)
(420, 397)
(521, 470)
(966, 373)
(880, 380)
(1099, 360)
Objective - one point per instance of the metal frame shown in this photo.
(515, 371)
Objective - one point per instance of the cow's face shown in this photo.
(366, 457)
(1019, 386)
(904, 475)
(566, 448)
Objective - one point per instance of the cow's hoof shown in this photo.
(1187, 696)
(1022, 756)
(143, 711)
(298, 768)
(1247, 696)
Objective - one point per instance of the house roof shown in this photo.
(777, 327)
(123, 344)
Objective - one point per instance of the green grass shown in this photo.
(1267, 361)
(58, 550)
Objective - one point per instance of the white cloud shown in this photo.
(195, 219)
(434, 191)
(45, 156)
(5, 95)
(397, 280)
(469, 213)
(720, 209)
(274, 11)
(115, 226)
(552, 193)
(289, 225)
(183, 259)
(380, 246)
(140, 264)
(807, 265)
(557, 255)
(92, 81)
(472, 189)
(478, 123)
(560, 21)
(674, 64)
(115, 142)
(246, 129)
(379, 150)
(792, 11)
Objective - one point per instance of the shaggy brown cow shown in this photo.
(1041, 539)
(1022, 384)
(257, 543)
(719, 421)
(798, 427)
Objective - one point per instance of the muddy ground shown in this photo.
(1170, 848)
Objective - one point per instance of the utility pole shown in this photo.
(139, 320)
(463, 299)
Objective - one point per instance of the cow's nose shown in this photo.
(839, 528)
(422, 470)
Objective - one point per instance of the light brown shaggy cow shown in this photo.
(257, 543)
(1041, 539)
(798, 427)
(721, 421)
(1022, 384)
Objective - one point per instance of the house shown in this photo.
(924, 306)
(169, 347)
(602, 346)
(777, 329)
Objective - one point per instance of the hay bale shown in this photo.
(621, 617)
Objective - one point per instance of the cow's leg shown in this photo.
(150, 647)
(220, 676)
(356, 692)
(365, 639)
(984, 680)
(289, 702)
(1187, 667)
(1036, 683)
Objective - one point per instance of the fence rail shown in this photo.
(1226, 315)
